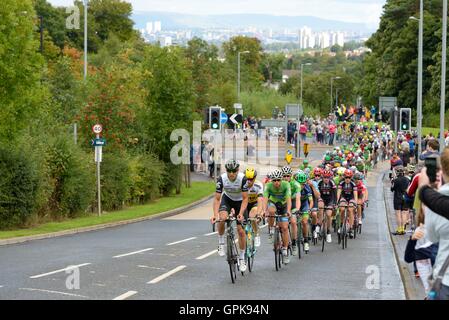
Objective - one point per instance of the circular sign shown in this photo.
(97, 128)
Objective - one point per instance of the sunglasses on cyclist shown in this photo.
(232, 171)
(250, 179)
(287, 176)
(276, 180)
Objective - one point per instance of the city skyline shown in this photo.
(356, 11)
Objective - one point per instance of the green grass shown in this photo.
(198, 191)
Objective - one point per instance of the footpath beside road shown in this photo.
(413, 287)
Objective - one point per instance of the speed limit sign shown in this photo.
(97, 128)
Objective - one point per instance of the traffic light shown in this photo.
(215, 118)
(405, 119)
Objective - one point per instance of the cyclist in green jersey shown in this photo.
(278, 193)
(296, 204)
(305, 165)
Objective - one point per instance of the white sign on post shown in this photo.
(98, 154)
(97, 129)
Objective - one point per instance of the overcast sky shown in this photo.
(364, 11)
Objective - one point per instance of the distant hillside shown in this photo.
(175, 21)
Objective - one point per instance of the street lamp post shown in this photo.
(336, 97)
(302, 67)
(332, 79)
(420, 75)
(85, 38)
(443, 76)
(238, 74)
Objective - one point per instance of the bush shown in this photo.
(115, 180)
(18, 187)
(146, 176)
(71, 176)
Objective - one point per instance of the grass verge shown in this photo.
(199, 190)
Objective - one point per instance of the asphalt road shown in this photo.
(175, 258)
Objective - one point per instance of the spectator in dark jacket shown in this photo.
(399, 187)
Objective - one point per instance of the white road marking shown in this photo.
(207, 255)
(209, 234)
(141, 266)
(131, 253)
(1, 286)
(58, 292)
(125, 295)
(166, 275)
(170, 244)
(61, 270)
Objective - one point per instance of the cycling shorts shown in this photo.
(328, 203)
(227, 204)
(344, 202)
(280, 207)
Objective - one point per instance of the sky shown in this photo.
(362, 11)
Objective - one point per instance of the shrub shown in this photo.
(115, 180)
(146, 176)
(18, 187)
(71, 177)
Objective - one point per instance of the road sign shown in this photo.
(99, 142)
(98, 128)
(387, 103)
(272, 123)
(98, 154)
(234, 119)
(289, 155)
(237, 106)
(224, 118)
(293, 111)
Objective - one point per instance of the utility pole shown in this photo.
(443, 76)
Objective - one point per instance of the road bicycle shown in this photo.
(343, 235)
(301, 239)
(231, 246)
(251, 250)
(277, 239)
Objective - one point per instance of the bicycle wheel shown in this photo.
(231, 258)
(250, 250)
(323, 232)
(343, 230)
(277, 249)
(299, 237)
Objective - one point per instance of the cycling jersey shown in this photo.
(255, 192)
(306, 195)
(347, 190)
(295, 187)
(361, 189)
(280, 194)
(327, 190)
(232, 189)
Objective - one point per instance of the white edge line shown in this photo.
(131, 253)
(209, 234)
(170, 244)
(166, 275)
(125, 295)
(50, 291)
(206, 255)
(61, 270)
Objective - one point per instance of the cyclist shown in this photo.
(278, 193)
(296, 203)
(305, 164)
(362, 196)
(306, 204)
(231, 193)
(327, 200)
(255, 200)
(313, 184)
(347, 197)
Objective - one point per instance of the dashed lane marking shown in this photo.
(131, 253)
(166, 275)
(180, 241)
(206, 255)
(61, 270)
(125, 295)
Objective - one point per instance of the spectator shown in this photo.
(405, 154)
(399, 187)
(437, 227)
(432, 149)
(332, 129)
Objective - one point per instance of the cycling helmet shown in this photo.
(232, 165)
(344, 163)
(317, 172)
(358, 176)
(327, 158)
(250, 173)
(287, 171)
(341, 171)
(348, 173)
(307, 172)
(327, 174)
(276, 174)
(301, 177)
(305, 162)
(353, 169)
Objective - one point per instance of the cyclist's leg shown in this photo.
(351, 209)
(305, 224)
(223, 211)
(320, 211)
(240, 229)
(359, 208)
(342, 205)
(271, 213)
(253, 214)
